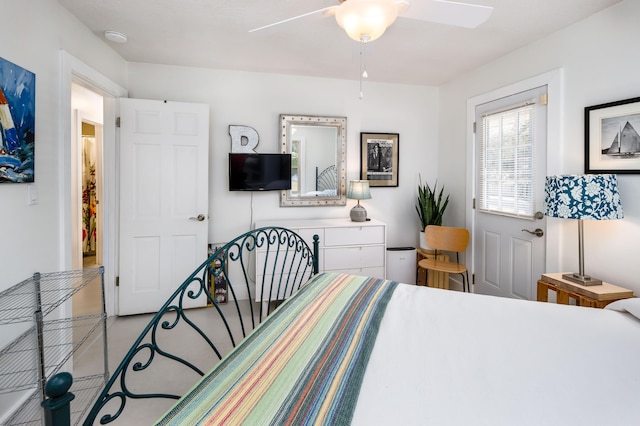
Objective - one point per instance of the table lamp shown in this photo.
(359, 190)
(582, 197)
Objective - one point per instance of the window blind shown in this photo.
(507, 161)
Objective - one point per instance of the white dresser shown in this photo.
(345, 246)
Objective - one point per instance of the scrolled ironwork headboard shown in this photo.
(287, 262)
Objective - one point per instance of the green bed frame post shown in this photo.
(57, 409)
(316, 252)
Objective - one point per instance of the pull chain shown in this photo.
(363, 63)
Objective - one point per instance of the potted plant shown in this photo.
(430, 207)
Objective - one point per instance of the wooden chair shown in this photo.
(451, 239)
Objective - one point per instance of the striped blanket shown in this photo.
(303, 365)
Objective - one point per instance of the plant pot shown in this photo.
(423, 242)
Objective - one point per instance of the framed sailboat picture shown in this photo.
(612, 137)
(17, 123)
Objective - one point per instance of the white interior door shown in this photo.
(163, 199)
(508, 239)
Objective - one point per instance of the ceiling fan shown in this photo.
(366, 20)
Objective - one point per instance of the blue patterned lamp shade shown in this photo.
(582, 197)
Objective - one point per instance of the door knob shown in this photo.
(538, 215)
(200, 218)
(538, 232)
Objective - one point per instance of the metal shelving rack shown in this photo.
(49, 341)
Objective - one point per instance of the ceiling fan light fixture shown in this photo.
(366, 20)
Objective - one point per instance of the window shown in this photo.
(506, 165)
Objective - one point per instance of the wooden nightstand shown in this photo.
(597, 296)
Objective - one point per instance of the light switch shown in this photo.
(32, 194)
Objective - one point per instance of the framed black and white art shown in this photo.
(379, 158)
(612, 142)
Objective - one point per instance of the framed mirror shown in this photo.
(318, 154)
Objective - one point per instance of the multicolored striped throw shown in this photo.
(303, 365)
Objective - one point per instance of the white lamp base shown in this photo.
(358, 213)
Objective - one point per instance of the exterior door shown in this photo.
(163, 200)
(508, 239)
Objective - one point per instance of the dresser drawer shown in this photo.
(308, 233)
(353, 235)
(344, 258)
(367, 272)
(345, 246)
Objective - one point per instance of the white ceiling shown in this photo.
(214, 34)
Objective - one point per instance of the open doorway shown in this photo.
(78, 77)
(87, 183)
(91, 180)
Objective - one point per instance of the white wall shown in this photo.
(600, 62)
(37, 31)
(257, 100)
(33, 34)
(599, 57)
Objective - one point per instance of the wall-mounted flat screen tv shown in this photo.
(259, 172)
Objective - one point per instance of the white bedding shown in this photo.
(631, 306)
(449, 358)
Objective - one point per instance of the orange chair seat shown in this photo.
(447, 238)
(442, 266)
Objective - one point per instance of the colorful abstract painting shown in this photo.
(17, 123)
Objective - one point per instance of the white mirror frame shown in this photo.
(287, 199)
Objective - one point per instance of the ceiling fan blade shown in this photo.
(327, 10)
(447, 12)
